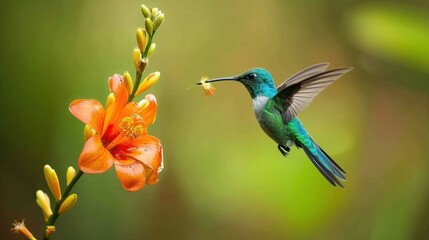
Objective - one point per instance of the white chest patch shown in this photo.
(259, 103)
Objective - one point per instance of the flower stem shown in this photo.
(139, 74)
(55, 214)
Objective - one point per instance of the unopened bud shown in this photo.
(158, 20)
(151, 49)
(52, 181)
(88, 132)
(71, 173)
(145, 11)
(154, 12)
(49, 231)
(141, 39)
(68, 203)
(149, 26)
(137, 56)
(128, 82)
(150, 80)
(44, 203)
(110, 99)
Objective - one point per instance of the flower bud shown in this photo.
(151, 49)
(110, 99)
(88, 132)
(145, 11)
(149, 26)
(136, 58)
(158, 20)
(44, 203)
(154, 12)
(52, 181)
(141, 39)
(71, 173)
(49, 231)
(68, 203)
(128, 82)
(150, 80)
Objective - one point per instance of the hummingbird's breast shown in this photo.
(271, 121)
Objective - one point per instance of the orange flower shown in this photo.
(121, 137)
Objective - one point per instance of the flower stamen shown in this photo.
(208, 88)
(132, 126)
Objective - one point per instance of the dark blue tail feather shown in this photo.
(325, 164)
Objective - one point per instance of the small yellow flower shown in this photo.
(19, 227)
(208, 88)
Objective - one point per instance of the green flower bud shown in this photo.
(149, 26)
(158, 20)
(145, 11)
(151, 49)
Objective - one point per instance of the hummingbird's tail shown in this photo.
(324, 163)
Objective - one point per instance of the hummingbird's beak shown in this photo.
(235, 78)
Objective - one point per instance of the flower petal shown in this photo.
(131, 174)
(148, 108)
(113, 112)
(148, 151)
(89, 111)
(94, 158)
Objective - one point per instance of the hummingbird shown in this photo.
(276, 110)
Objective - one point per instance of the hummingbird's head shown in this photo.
(258, 82)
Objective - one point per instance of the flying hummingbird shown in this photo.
(276, 110)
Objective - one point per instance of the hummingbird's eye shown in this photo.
(251, 76)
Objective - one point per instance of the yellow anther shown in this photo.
(132, 126)
(126, 123)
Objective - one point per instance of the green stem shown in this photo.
(140, 74)
(55, 215)
(148, 45)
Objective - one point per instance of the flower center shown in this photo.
(132, 126)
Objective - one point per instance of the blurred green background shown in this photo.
(223, 178)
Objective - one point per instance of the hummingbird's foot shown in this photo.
(284, 150)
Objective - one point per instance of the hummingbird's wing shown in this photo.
(309, 71)
(299, 90)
